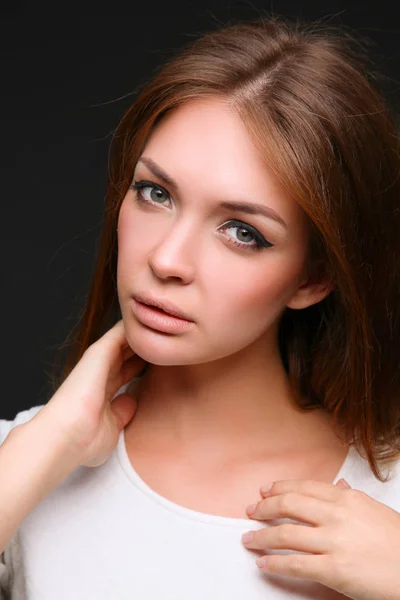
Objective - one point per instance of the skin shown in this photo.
(216, 415)
(219, 390)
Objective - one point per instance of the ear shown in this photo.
(314, 287)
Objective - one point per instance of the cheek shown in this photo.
(253, 292)
(133, 237)
(249, 290)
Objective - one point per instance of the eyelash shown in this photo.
(261, 242)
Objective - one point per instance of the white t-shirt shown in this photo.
(104, 534)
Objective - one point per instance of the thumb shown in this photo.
(123, 408)
(342, 483)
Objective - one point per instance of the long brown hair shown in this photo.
(324, 129)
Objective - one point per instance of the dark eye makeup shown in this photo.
(259, 241)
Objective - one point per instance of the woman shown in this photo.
(254, 193)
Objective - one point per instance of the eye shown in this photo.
(259, 241)
(139, 186)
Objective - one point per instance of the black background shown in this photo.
(66, 80)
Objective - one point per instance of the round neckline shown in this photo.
(189, 513)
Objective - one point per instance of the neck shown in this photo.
(235, 406)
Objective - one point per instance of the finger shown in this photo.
(288, 537)
(308, 487)
(128, 353)
(116, 333)
(342, 483)
(123, 409)
(305, 566)
(116, 337)
(294, 506)
(131, 367)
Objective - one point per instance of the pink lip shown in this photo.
(154, 318)
(164, 305)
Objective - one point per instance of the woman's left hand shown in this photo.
(353, 541)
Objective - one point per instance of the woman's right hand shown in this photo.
(83, 410)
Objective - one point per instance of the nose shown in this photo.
(174, 255)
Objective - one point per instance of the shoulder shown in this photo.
(392, 485)
(361, 477)
(26, 415)
(21, 417)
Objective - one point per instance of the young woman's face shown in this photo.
(231, 271)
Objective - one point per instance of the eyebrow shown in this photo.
(245, 207)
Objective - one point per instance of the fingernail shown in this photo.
(261, 562)
(264, 489)
(342, 482)
(247, 537)
(251, 509)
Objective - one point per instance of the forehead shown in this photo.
(205, 129)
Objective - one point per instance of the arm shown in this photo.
(34, 459)
(79, 425)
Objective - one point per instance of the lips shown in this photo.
(164, 312)
(164, 305)
(158, 320)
